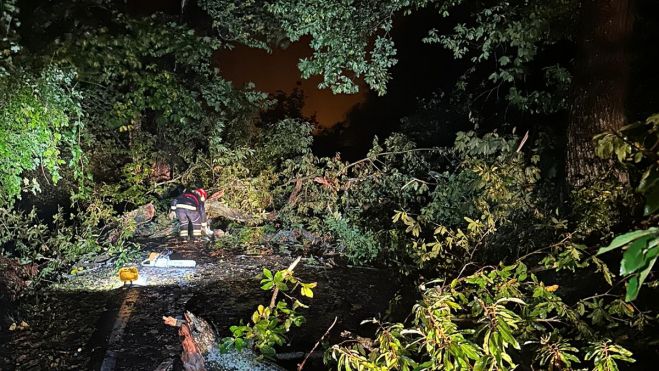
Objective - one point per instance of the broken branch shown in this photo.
(301, 365)
(276, 290)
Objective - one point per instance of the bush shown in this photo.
(40, 123)
(637, 146)
(467, 191)
(88, 230)
(358, 246)
(495, 318)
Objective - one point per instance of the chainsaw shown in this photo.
(162, 260)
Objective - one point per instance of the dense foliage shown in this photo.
(39, 119)
(495, 318)
(512, 35)
(116, 110)
(9, 44)
(96, 230)
(636, 144)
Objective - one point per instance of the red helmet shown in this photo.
(201, 193)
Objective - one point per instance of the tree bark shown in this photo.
(599, 88)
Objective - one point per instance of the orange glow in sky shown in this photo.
(278, 70)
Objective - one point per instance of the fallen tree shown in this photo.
(217, 209)
(200, 351)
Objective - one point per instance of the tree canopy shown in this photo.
(509, 227)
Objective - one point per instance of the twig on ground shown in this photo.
(301, 365)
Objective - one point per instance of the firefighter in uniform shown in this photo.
(189, 209)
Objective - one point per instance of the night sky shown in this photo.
(277, 71)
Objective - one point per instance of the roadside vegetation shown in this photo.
(532, 237)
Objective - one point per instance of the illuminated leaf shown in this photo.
(633, 258)
(626, 238)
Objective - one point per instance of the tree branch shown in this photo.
(301, 365)
(276, 290)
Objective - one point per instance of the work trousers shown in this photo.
(187, 218)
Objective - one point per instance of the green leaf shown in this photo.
(507, 336)
(305, 291)
(268, 351)
(654, 119)
(481, 364)
(633, 258)
(626, 238)
(602, 267)
(239, 344)
(632, 288)
(226, 344)
(267, 273)
(279, 277)
(649, 179)
(653, 248)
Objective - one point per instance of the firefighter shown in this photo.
(189, 208)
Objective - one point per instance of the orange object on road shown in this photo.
(128, 274)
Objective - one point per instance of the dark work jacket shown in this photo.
(190, 201)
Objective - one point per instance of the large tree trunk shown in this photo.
(599, 88)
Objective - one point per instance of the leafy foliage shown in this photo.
(483, 177)
(143, 99)
(359, 247)
(483, 321)
(511, 35)
(244, 22)
(153, 96)
(286, 140)
(364, 48)
(362, 51)
(491, 185)
(495, 318)
(39, 119)
(9, 41)
(269, 324)
(637, 145)
(95, 230)
(596, 208)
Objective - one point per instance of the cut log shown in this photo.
(140, 217)
(192, 358)
(216, 209)
(200, 350)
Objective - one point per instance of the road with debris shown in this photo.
(92, 322)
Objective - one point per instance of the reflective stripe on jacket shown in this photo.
(190, 201)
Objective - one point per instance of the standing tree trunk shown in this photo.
(599, 88)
